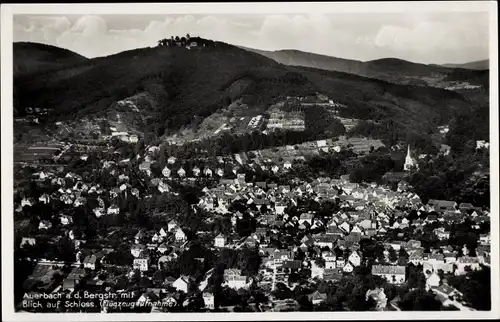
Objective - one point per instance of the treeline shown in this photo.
(452, 179)
(391, 132)
(467, 127)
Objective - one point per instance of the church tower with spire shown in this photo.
(409, 161)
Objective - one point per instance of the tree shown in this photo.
(320, 262)
(416, 278)
(196, 304)
(403, 257)
(120, 257)
(282, 292)
(393, 256)
(472, 286)
(420, 300)
(248, 261)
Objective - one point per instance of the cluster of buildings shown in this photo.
(291, 121)
(290, 238)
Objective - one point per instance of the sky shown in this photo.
(431, 38)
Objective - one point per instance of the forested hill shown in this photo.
(30, 58)
(198, 81)
(477, 65)
(389, 69)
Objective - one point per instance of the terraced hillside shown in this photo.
(189, 85)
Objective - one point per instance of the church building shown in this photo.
(410, 163)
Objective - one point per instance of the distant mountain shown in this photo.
(32, 58)
(389, 69)
(188, 85)
(476, 65)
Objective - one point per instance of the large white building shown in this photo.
(393, 274)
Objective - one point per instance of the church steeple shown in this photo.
(409, 161)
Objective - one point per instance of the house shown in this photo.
(441, 234)
(465, 206)
(326, 240)
(345, 227)
(171, 160)
(281, 255)
(293, 265)
(181, 172)
(136, 250)
(220, 241)
(234, 279)
(45, 224)
(148, 298)
(445, 293)
(441, 205)
(165, 259)
(90, 262)
(450, 257)
(180, 235)
(355, 259)
(317, 297)
(156, 238)
(30, 241)
(181, 284)
(66, 220)
(436, 260)
(162, 248)
(464, 263)
(113, 210)
(166, 172)
(287, 165)
(139, 237)
(69, 284)
(141, 263)
(146, 167)
(396, 244)
(348, 268)
(333, 275)
(330, 264)
(485, 239)
(432, 281)
(171, 225)
(196, 171)
(306, 217)
(209, 300)
(368, 224)
(329, 256)
(334, 230)
(393, 274)
(356, 229)
(280, 208)
(378, 295)
(207, 172)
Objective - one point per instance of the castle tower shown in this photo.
(409, 161)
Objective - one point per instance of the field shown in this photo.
(33, 153)
(235, 119)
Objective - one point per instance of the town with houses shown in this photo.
(100, 223)
(117, 223)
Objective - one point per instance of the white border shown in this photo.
(7, 11)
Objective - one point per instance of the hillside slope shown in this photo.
(187, 85)
(32, 58)
(184, 82)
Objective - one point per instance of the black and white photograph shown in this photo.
(250, 161)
